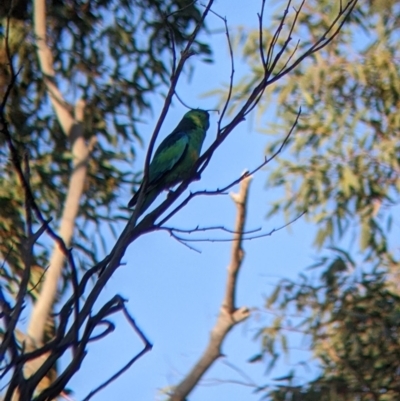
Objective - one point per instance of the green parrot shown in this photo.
(175, 157)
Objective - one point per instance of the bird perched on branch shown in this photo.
(175, 157)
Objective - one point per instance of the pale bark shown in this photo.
(229, 315)
(73, 130)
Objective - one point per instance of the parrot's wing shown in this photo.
(171, 150)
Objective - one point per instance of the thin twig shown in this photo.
(260, 34)
(147, 347)
(203, 229)
(185, 55)
(244, 238)
(233, 183)
(228, 98)
(229, 315)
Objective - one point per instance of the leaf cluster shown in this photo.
(343, 169)
(343, 166)
(113, 56)
(350, 319)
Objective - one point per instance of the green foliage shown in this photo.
(351, 320)
(343, 163)
(114, 55)
(341, 166)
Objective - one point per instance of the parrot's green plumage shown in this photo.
(175, 157)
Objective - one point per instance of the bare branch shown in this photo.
(237, 255)
(260, 34)
(246, 379)
(272, 64)
(323, 41)
(147, 347)
(225, 188)
(228, 98)
(9, 342)
(229, 315)
(203, 229)
(184, 242)
(185, 55)
(245, 238)
(249, 105)
(76, 321)
(274, 39)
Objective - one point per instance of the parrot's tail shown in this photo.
(134, 200)
(149, 198)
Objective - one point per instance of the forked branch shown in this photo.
(230, 315)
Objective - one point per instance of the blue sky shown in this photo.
(175, 293)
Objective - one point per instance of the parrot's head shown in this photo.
(200, 118)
